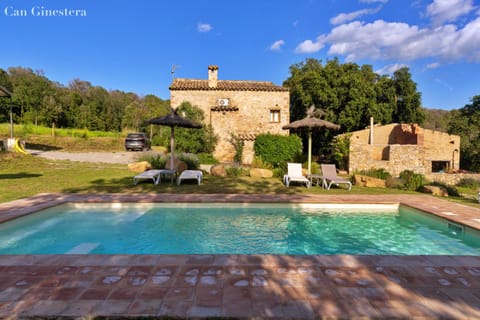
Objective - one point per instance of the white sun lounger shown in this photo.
(190, 175)
(149, 174)
(295, 175)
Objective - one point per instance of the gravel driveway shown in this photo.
(106, 157)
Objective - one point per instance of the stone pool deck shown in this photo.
(241, 286)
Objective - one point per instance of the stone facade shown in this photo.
(452, 179)
(240, 108)
(398, 147)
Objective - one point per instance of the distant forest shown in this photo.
(38, 100)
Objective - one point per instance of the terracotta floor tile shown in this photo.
(140, 271)
(237, 309)
(152, 293)
(145, 307)
(123, 293)
(81, 308)
(112, 308)
(233, 294)
(299, 309)
(175, 308)
(95, 294)
(180, 293)
(67, 294)
(46, 308)
(209, 297)
(267, 308)
(204, 311)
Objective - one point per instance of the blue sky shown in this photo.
(132, 45)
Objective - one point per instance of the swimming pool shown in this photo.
(209, 228)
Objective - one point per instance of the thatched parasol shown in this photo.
(174, 120)
(310, 123)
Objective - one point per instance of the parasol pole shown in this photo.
(172, 142)
(309, 151)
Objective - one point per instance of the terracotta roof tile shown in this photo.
(225, 85)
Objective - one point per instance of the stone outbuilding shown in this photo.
(398, 147)
(235, 108)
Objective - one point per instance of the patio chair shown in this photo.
(149, 174)
(190, 175)
(295, 175)
(329, 172)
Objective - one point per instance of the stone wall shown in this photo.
(251, 118)
(398, 147)
(400, 157)
(451, 178)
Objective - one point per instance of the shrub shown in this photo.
(190, 159)
(236, 171)
(238, 145)
(157, 161)
(452, 191)
(376, 173)
(277, 150)
(412, 181)
(469, 183)
(259, 163)
(315, 167)
(207, 158)
(394, 183)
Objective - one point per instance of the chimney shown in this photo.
(212, 76)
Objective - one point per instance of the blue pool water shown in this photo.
(234, 229)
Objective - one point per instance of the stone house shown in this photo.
(242, 109)
(398, 147)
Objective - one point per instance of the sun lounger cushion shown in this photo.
(149, 174)
(190, 175)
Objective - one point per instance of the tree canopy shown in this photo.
(350, 94)
(465, 122)
(41, 101)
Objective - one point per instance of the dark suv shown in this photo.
(137, 141)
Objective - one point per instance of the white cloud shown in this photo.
(277, 45)
(442, 11)
(433, 65)
(383, 40)
(389, 69)
(345, 17)
(204, 27)
(308, 46)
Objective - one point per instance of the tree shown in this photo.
(465, 122)
(5, 102)
(350, 94)
(408, 100)
(194, 140)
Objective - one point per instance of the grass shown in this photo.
(24, 176)
(25, 130)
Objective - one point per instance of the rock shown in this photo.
(261, 173)
(139, 166)
(178, 164)
(206, 167)
(219, 171)
(435, 191)
(371, 182)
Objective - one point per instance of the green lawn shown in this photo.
(24, 176)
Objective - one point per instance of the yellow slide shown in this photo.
(19, 148)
